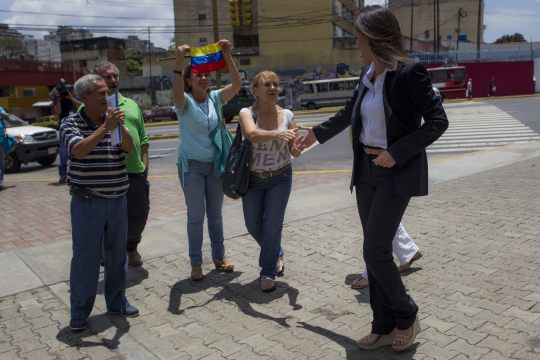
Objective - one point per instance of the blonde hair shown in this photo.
(264, 75)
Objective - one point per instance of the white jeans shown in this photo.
(403, 246)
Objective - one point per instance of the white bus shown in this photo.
(330, 92)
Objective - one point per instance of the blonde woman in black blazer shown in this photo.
(390, 163)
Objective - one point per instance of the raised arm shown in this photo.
(231, 89)
(178, 80)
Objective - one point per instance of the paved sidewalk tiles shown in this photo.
(477, 287)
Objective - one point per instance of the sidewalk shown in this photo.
(477, 285)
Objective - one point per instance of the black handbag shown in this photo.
(235, 180)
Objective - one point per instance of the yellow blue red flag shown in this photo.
(206, 58)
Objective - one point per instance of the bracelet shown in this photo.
(179, 72)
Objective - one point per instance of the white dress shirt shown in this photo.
(372, 109)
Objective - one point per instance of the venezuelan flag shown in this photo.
(206, 58)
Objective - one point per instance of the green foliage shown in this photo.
(134, 60)
(11, 47)
(134, 68)
(517, 37)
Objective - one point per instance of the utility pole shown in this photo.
(412, 19)
(479, 30)
(150, 68)
(437, 34)
(216, 37)
(461, 13)
(434, 26)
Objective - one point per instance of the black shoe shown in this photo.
(77, 325)
(2, 187)
(129, 311)
(134, 258)
(62, 180)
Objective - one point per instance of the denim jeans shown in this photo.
(264, 212)
(62, 166)
(202, 192)
(99, 231)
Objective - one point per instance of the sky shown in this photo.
(501, 17)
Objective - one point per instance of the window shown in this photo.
(202, 17)
(203, 41)
(29, 92)
(308, 89)
(322, 87)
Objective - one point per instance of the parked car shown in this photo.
(160, 114)
(244, 98)
(34, 143)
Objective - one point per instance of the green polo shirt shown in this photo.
(135, 123)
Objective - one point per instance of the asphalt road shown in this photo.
(474, 126)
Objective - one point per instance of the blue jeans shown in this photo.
(99, 231)
(264, 212)
(62, 166)
(202, 192)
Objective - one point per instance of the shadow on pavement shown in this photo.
(242, 295)
(96, 324)
(351, 349)
(135, 276)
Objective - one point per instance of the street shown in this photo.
(474, 126)
(476, 286)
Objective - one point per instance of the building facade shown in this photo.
(297, 39)
(43, 50)
(456, 19)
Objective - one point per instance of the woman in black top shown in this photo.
(390, 163)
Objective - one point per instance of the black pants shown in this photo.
(138, 204)
(381, 210)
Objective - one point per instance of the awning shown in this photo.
(43, 104)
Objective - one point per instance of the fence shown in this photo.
(453, 57)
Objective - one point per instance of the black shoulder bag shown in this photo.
(235, 180)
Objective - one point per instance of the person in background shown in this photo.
(98, 184)
(137, 161)
(199, 115)
(406, 251)
(492, 87)
(65, 105)
(3, 140)
(390, 163)
(469, 89)
(272, 133)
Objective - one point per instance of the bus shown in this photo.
(451, 81)
(330, 92)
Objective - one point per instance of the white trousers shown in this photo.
(403, 246)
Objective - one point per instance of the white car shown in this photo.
(34, 143)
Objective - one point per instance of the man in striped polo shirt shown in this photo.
(98, 185)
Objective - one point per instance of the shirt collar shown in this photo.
(369, 73)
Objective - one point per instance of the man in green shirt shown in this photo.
(138, 196)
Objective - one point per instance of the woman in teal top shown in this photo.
(199, 113)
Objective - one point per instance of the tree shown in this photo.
(517, 37)
(11, 47)
(134, 60)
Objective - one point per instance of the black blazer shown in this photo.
(408, 96)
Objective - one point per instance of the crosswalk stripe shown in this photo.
(483, 127)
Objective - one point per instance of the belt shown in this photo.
(267, 174)
(82, 193)
(372, 151)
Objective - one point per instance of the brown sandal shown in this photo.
(223, 265)
(360, 283)
(407, 266)
(196, 273)
(380, 341)
(403, 341)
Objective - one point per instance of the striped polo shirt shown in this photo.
(103, 170)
